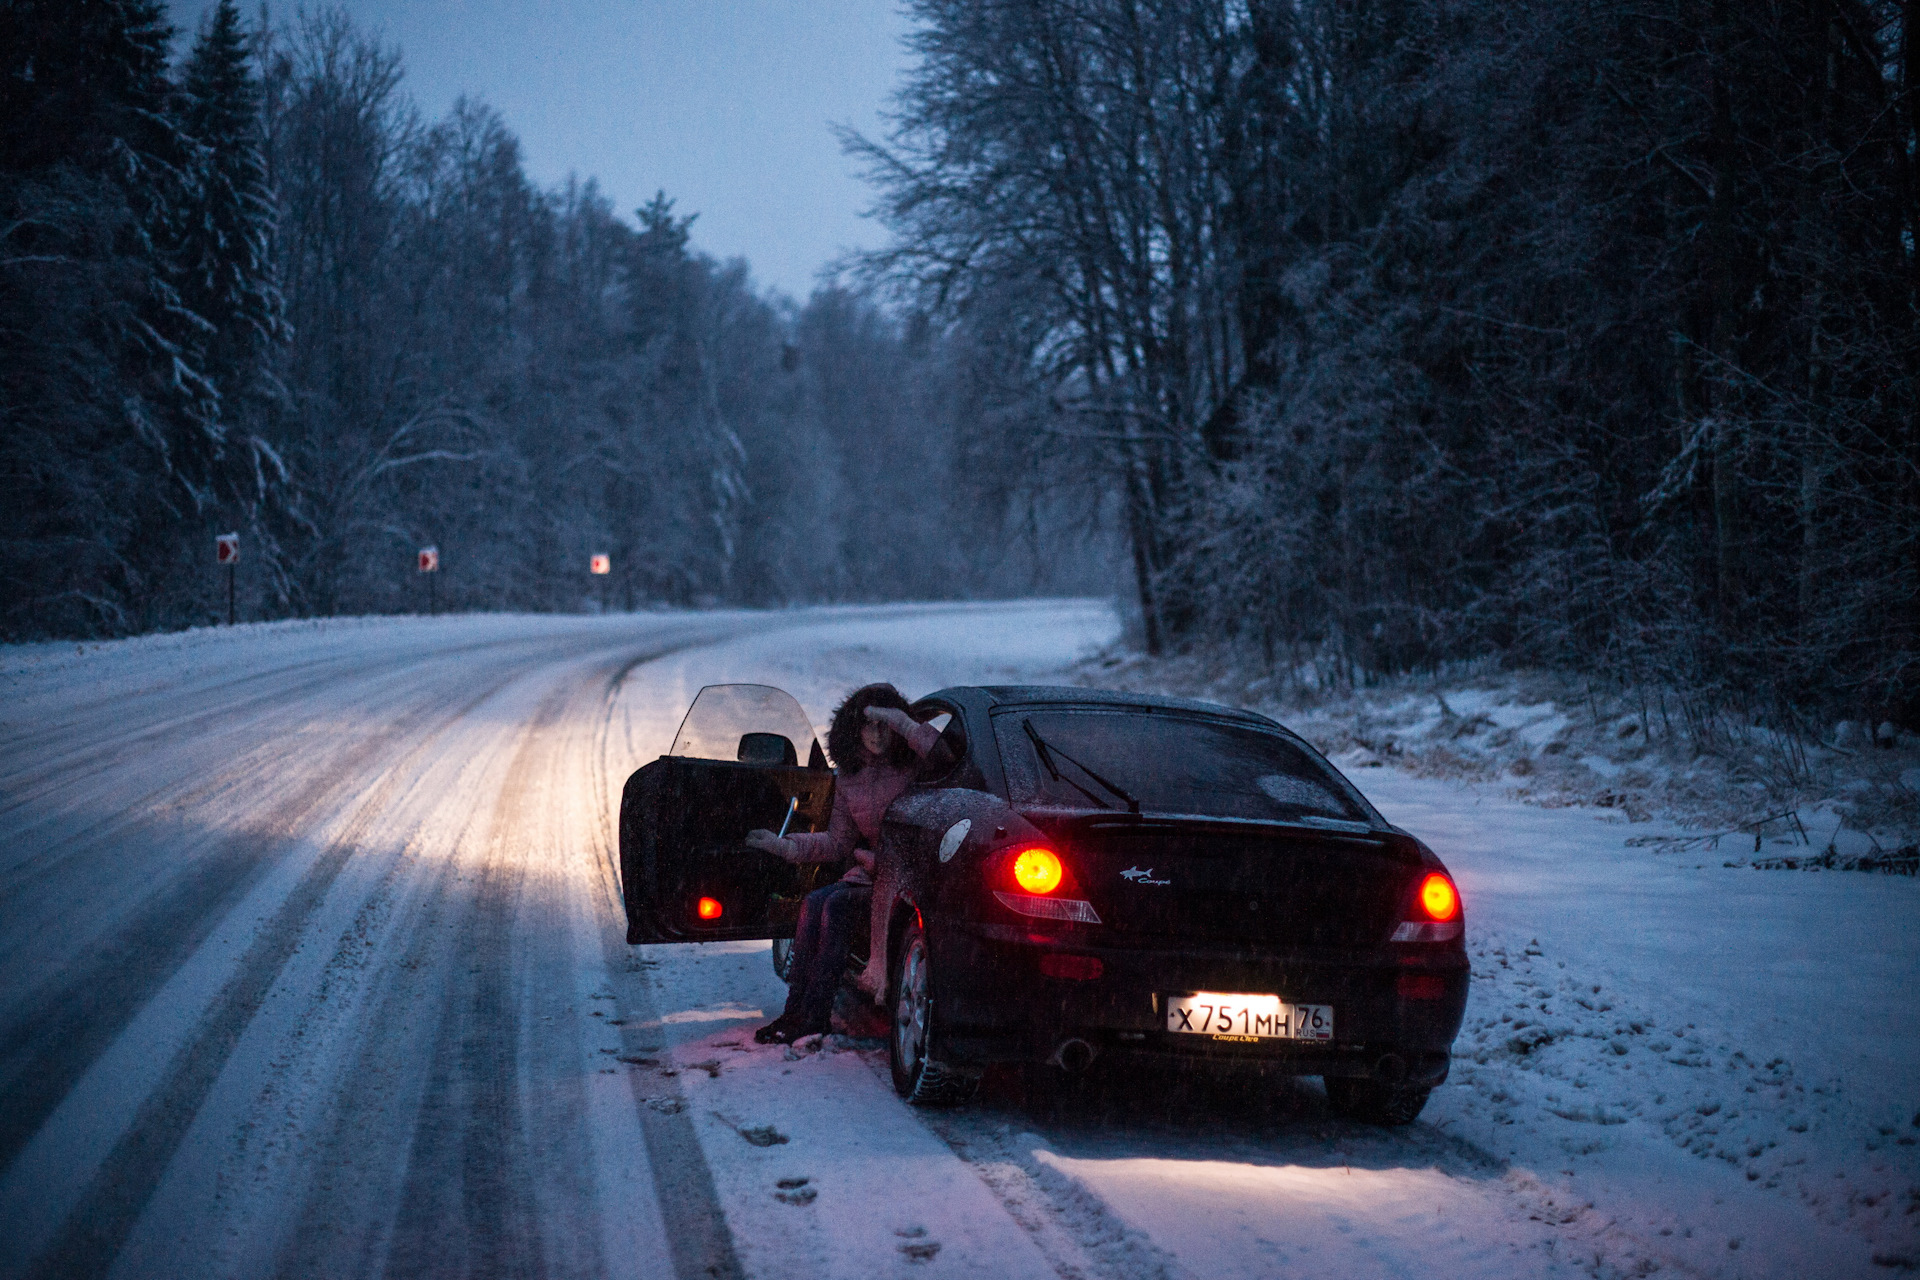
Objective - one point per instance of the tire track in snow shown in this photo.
(682, 1181)
(683, 1184)
(488, 1095)
(346, 1214)
(207, 771)
(108, 884)
(119, 1190)
(105, 739)
(58, 1028)
(702, 1248)
(74, 1018)
(462, 1200)
(49, 769)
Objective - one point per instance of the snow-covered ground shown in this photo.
(310, 963)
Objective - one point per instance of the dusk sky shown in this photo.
(724, 104)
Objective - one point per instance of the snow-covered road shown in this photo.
(311, 964)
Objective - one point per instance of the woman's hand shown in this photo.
(893, 718)
(767, 842)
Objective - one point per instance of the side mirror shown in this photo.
(767, 748)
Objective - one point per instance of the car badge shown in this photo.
(1138, 876)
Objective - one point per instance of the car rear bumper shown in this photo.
(994, 1004)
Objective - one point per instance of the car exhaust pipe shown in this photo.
(1074, 1056)
(1391, 1068)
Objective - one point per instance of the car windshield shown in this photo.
(1168, 764)
(730, 721)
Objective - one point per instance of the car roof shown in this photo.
(999, 695)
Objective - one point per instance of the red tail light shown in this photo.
(708, 908)
(1422, 986)
(1438, 898)
(1038, 870)
(1439, 903)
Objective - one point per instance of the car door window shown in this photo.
(740, 721)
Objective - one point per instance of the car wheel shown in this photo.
(783, 959)
(917, 1076)
(1371, 1102)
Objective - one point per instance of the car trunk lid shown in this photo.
(1269, 884)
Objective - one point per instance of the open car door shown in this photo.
(734, 766)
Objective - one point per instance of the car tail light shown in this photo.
(1422, 986)
(1049, 908)
(1038, 870)
(708, 908)
(1083, 968)
(1438, 898)
(1438, 902)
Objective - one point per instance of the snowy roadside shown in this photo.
(1656, 1044)
(820, 1168)
(1686, 1061)
(1731, 791)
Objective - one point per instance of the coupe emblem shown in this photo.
(1138, 876)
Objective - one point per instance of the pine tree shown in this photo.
(228, 273)
(110, 425)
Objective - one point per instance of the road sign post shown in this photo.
(430, 565)
(600, 564)
(226, 551)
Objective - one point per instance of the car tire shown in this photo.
(783, 959)
(1372, 1102)
(918, 1076)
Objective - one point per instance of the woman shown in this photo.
(876, 747)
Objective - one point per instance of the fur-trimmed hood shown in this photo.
(843, 734)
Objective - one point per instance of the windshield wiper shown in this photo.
(1047, 753)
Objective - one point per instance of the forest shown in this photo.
(247, 287)
(1574, 333)
(1353, 336)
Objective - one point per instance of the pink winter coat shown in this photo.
(860, 800)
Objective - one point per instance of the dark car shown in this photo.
(1090, 874)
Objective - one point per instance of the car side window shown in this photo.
(944, 760)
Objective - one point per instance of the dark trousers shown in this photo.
(828, 920)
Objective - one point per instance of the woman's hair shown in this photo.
(843, 734)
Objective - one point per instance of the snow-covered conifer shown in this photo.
(228, 274)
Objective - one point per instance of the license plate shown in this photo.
(1224, 1015)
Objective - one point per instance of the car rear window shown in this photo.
(1170, 764)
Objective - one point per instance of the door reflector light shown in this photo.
(1438, 898)
(707, 908)
(1037, 870)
